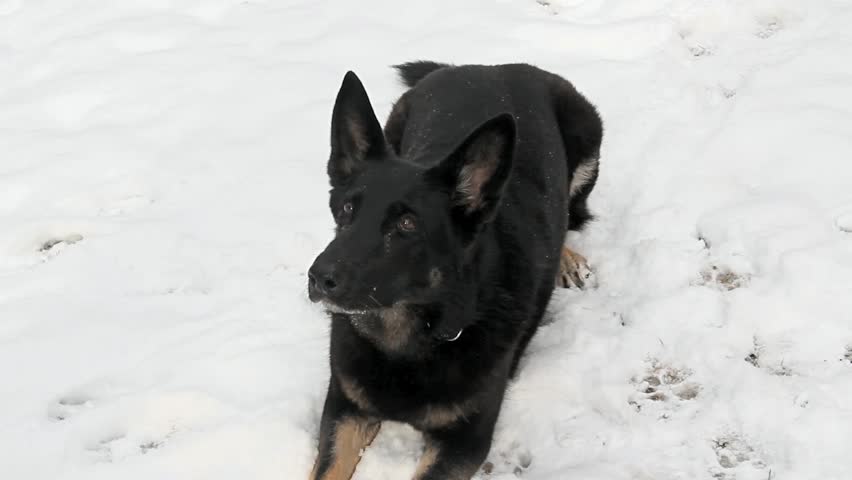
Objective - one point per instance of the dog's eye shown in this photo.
(345, 214)
(406, 223)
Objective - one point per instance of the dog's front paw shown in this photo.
(574, 271)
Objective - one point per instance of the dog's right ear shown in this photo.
(478, 169)
(356, 135)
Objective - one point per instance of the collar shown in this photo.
(446, 338)
(456, 337)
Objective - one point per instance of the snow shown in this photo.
(162, 192)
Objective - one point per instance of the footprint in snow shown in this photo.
(115, 446)
(515, 459)
(67, 406)
(53, 246)
(844, 222)
(734, 453)
(723, 278)
(755, 358)
(117, 443)
(663, 388)
(696, 48)
(769, 27)
(549, 6)
(104, 449)
(729, 273)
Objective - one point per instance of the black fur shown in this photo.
(450, 228)
(412, 72)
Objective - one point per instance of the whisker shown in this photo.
(374, 300)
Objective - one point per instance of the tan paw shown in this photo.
(574, 271)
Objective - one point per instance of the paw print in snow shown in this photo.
(552, 9)
(723, 278)
(117, 445)
(103, 450)
(844, 222)
(67, 406)
(515, 459)
(112, 435)
(768, 27)
(663, 388)
(755, 359)
(53, 246)
(734, 455)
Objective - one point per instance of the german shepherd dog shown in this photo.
(450, 230)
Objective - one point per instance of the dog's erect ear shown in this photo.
(356, 134)
(478, 169)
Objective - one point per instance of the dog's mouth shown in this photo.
(335, 308)
(344, 305)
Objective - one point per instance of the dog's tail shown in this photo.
(413, 72)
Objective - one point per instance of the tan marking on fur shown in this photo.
(397, 326)
(389, 328)
(351, 436)
(482, 160)
(354, 392)
(570, 265)
(429, 457)
(471, 180)
(583, 174)
(571, 257)
(439, 416)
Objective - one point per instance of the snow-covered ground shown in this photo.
(162, 192)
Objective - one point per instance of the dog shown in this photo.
(449, 241)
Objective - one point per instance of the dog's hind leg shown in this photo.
(582, 133)
(574, 271)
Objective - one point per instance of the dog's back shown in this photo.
(559, 131)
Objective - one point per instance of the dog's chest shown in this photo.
(414, 405)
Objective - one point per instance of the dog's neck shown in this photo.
(403, 330)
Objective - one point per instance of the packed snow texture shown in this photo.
(163, 190)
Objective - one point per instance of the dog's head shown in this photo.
(403, 230)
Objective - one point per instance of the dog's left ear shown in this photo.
(356, 134)
(478, 169)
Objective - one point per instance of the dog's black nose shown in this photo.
(322, 279)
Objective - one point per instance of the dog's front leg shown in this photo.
(344, 433)
(456, 453)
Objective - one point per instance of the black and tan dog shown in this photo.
(450, 231)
